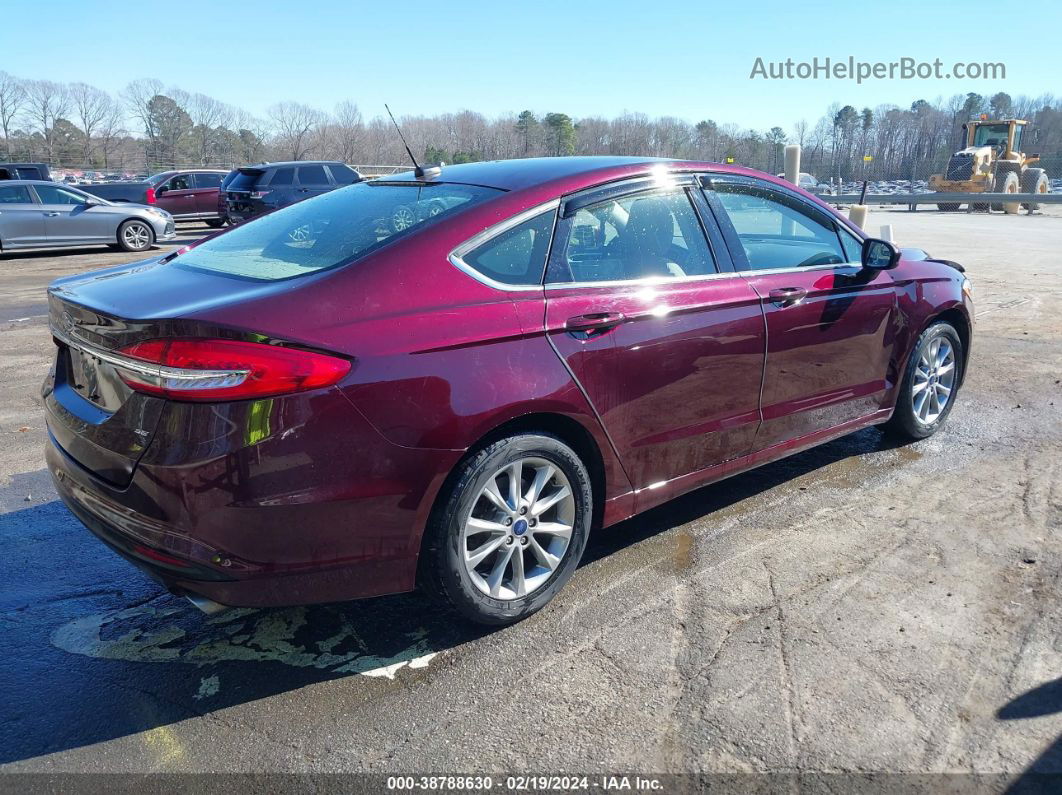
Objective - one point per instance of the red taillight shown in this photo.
(150, 196)
(211, 369)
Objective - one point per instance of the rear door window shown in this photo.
(15, 194)
(208, 180)
(312, 175)
(29, 172)
(332, 229)
(649, 234)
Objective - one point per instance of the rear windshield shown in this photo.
(244, 179)
(329, 230)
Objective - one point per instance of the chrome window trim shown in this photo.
(456, 256)
(663, 280)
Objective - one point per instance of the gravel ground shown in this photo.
(858, 608)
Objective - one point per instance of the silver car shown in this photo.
(37, 214)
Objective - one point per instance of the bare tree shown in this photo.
(345, 132)
(12, 101)
(91, 106)
(46, 103)
(137, 97)
(110, 131)
(295, 124)
(208, 114)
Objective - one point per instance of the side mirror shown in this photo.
(92, 203)
(880, 254)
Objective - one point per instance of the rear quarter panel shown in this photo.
(441, 360)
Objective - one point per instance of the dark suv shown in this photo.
(259, 189)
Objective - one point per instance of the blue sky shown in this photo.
(686, 58)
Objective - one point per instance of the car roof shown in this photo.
(33, 182)
(295, 163)
(567, 173)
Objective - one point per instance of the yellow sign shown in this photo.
(867, 158)
(730, 160)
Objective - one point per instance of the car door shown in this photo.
(21, 218)
(207, 185)
(177, 196)
(829, 321)
(71, 218)
(311, 180)
(665, 341)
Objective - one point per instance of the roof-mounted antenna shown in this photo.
(420, 173)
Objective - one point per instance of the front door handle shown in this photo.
(51, 215)
(595, 321)
(787, 296)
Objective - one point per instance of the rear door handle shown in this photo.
(595, 321)
(787, 296)
(51, 215)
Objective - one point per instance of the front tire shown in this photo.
(930, 383)
(135, 235)
(216, 223)
(511, 531)
(1007, 182)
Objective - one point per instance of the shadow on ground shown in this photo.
(91, 650)
(1045, 772)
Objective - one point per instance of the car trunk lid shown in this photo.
(96, 418)
(92, 415)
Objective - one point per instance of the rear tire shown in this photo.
(483, 556)
(216, 223)
(933, 375)
(135, 235)
(1034, 180)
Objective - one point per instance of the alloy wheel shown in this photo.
(518, 529)
(136, 236)
(934, 381)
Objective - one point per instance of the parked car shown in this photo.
(267, 186)
(186, 195)
(38, 214)
(321, 405)
(809, 182)
(25, 171)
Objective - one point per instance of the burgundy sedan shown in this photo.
(447, 379)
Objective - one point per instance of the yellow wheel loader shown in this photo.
(992, 162)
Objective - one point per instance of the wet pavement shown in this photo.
(859, 607)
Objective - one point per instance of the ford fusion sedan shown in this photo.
(324, 404)
(38, 214)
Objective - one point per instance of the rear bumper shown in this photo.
(247, 528)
